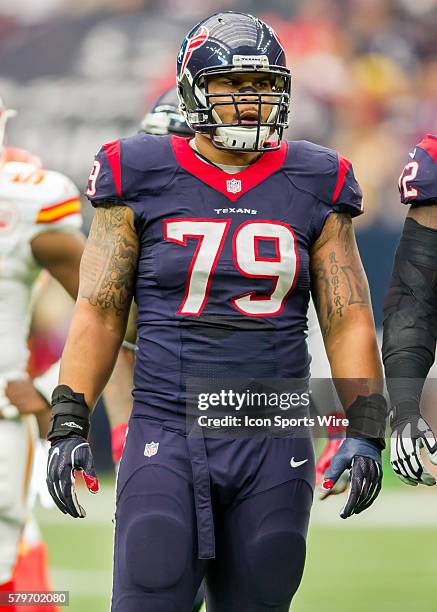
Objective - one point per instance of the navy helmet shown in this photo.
(165, 117)
(238, 43)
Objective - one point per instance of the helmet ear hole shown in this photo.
(202, 84)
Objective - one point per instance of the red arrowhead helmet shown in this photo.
(236, 43)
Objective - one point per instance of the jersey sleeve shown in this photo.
(418, 179)
(342, 195)
(328, 177)
(104, 182)
(126, 169)
(59, 207)
(347, 195)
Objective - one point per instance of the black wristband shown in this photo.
(70, 414)
(367, 418)
(403, 412)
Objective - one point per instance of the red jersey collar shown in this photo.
(233, 186)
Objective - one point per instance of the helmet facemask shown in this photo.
(239, 135)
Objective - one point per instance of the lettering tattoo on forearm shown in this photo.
(107, 271)
(338, 277)
(334, 272)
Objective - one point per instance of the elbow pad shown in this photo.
(410, 313)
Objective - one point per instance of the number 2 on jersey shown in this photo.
(409, 173)
(211, 233)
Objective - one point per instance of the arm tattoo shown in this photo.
(108, 267)
(338, 277)
(334, 276)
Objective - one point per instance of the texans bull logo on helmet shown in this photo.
(191, 44)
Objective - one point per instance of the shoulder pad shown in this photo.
(62, 205)
(325, 174)
(43, 196)
(418, 179)
(126, 168)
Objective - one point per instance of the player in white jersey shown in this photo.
(39, 229)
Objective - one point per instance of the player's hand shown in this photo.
(323, 463)
(362, 457)
(25, 397)
(66, 457)
(7, 410)
(409, 434)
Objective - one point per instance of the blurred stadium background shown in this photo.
(365, 82)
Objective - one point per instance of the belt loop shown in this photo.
(202, 493)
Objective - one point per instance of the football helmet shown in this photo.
(165, 117)
(5, 114)
(237, 43)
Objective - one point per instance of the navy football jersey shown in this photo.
(418, 180)
(223, 277)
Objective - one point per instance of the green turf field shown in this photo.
(364, 570)
(382, 562)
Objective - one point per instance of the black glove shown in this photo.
(70, 451)
(363, 459)
(360, 453)
(66, 456)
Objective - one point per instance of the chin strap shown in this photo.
(242, 137)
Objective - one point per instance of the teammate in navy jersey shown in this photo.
(220, 238)
(410, 317)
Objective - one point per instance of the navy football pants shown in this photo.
(259, 534)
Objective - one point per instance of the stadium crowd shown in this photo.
(365, 74)
(364, 82)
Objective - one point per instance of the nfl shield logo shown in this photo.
(151, 449)
(233, 186)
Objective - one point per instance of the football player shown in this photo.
(49, 238)
(163, 119)
(39, 228)
(219, 237)
(410, 317)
